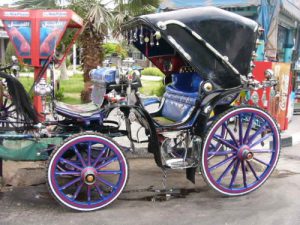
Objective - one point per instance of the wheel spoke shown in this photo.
(109, 172)
(225, 142)
(100, 155)
(79, 156)
(72, 173)
(236, 168)
(258, 132)
(70, 183)
(78, 189)
(244, 173)
(221, 153)
(89, 194)
(261, 140)
(249, 128)
(262, 150)
(262, 162)
(100, 192)
(226, 171)
(89, 153)
(240, 129)
(221, 163)
(231, 134)
(107, 183)
(212, 145)
(70, 163)
(112, 159)
(252, 170)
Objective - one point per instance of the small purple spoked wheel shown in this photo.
(87, 172)
(248, 153)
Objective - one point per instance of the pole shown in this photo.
(37, 100)
(74, 59)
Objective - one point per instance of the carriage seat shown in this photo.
(88, 110)
(179, 98)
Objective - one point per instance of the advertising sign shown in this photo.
(50, 32)
(20, 33)
(274, 100)
(279, 99)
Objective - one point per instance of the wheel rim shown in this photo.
(248, 154)
(87, 173)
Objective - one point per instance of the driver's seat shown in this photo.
(77, 111)
(100, 77)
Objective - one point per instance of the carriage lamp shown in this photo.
(158, 37)
(142, 35)
(208, 87)
(131, 37)
(271, 80)
(151, 40)
(146, 39)
(269, 74)
(135, 35)
(42, 88)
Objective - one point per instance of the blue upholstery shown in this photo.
(180, 96)
(105, 74)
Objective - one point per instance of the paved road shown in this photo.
(277, 202)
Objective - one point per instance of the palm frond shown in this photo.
(37, 4)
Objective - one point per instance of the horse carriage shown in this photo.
(206, 54)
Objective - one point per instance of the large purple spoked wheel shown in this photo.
(241, 161)
(87, 172)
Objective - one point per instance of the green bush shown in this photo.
(59, 94)
(114, 48)
(152, 88)
(152, 71)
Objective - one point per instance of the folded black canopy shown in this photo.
(231, 35)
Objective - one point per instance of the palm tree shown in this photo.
(98, 20)
(39, 4)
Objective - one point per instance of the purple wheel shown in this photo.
(87, 172)
(241, 161)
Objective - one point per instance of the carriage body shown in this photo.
(206, 55)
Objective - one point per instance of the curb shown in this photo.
(286, 141)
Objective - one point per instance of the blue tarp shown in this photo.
(218, 3)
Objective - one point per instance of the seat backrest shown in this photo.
(100, 78)
(186, 82)
(180, 96)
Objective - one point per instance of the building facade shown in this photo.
(3, 43)
(279, 18)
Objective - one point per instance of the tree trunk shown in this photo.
(92, 56)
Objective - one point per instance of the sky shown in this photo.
(2, 2)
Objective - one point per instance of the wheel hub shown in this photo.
(245, 153)
(89, 175)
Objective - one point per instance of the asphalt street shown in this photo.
(276, 202)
